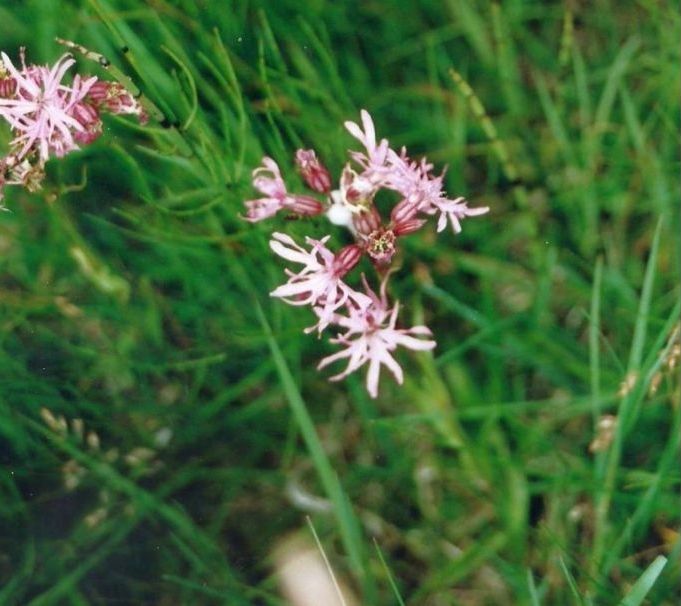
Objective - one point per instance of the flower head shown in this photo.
(319, 283)
(368, 324)
(371, 337)
(453, 211)
(267, 180)
(374, 160)
(413, 180)
(48, 117)
(40, 110)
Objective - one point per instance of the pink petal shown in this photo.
(354, 130)
(372, 377)
(370, 132)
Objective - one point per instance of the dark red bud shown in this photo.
(88, 117)
(85, 113)
(347, 258)
(8, 86)
(115, 98)
(404, 210)
(306, 205)
(408, 227)
(319, 180)
(313, 171)
(367, 220)
(99, 92)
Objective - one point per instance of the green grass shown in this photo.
(134, 308)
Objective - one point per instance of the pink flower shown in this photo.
(40, 110)
(50, 118)
(267, 180)
(379, 241)
(319, 282)
(423, 193)
(380, 246)
(371, 336)
(413, 179)
(454, 211)
(368, 325)
(374, 161)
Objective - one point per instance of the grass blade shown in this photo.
(644, 583)
(349, 526)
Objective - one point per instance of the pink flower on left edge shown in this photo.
(267, 180)
(319, 282)
(40, 109)
(371, 337)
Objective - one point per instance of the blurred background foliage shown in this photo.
(162, 426)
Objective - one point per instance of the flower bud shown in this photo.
(313, 171)
(115, 98)
(408, 227)
(305, 205)
(404, 210)
(367, 220)
(98, 92)
(88, 117)
(346, 259)
(8, 86)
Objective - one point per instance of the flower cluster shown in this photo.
(49, 118)
(367, 321)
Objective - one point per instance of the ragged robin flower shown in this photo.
(50, 117)
(267, 180)
(40, 110)
(369, 322)
(371, 336)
